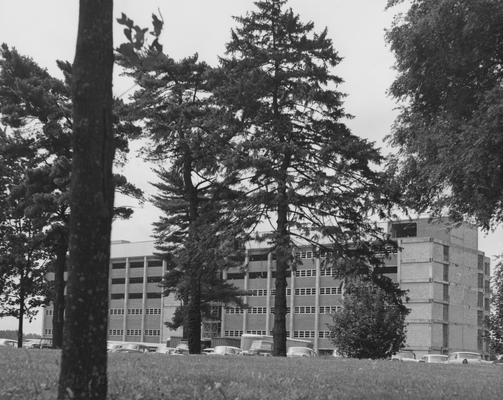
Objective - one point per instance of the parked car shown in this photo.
(259, 348)
(499, 361)
(8, 342)
(181, 348)
(301, 352)
(226, 351)
(132, 348)
(38, 344)
(208, 350)
(466, 357)
(434, 359)
(112, 347)
(165, 350)
(406, 356)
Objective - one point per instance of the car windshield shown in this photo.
(471, 356)
(406, 354)
(438, 358)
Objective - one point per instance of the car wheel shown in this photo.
(465, 361)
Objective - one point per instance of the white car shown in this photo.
(405, 356)
(8, 342)
(301, 352)
(165, 350)
(434, 359)
(226, 351)
(466, 357)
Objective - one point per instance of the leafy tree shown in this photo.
(83, 373)
(371, 323)
(304, 167)
(495, 320)
(201, 228)
(39, 106)
(22, 255)
(449, 59)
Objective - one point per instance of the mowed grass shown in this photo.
(33, 374)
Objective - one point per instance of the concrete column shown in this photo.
(222, 317)
(268, 297)
(144, 298)
(124, 320)
(245, 300)
(161, 324)
(317, 303)
(291, 326)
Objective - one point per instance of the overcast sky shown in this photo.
(46, 31)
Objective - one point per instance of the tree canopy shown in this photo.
(449, 59)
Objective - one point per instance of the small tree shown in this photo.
(371, 323)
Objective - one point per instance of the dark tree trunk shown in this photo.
(83, 372)
(59, 292)
(194, 317)
(21, 313)
(282, 262)
(194, 301)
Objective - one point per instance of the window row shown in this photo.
(116, 311)
(152, 332)
(150, 295)
(47, 331)
(233, 333)
(116, 332)
(136, 264)
(252, 332)
(329, 309)
(49, 311)
(304, 334)
(133, 332)
(136, 279)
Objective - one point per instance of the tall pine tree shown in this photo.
(305, 167)
(202, 226)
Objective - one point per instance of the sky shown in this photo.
(46, 31)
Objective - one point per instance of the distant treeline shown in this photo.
(13, 335)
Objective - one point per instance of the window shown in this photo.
(154, 263)
(404, 230)
(258, 257)
(134, 311)
(480, 281)
(480, 318)
(152, 332)
(487, 268)
(445, 312)
(154, 295)
(330, 290)
(120, 265)
(238, 275)
(116, 311)
(233, 310)
(48, 311)
(303, 334)
(117, 281)
(135, 296)
(233, 333)
(480, 262)
(136, 264)
(480, 300)
(115, 332)
(305, 310)
(446, 292)
(154, 279)
(446, 272)
(137, 279)
(133, 332)
(115, 296)
(446, 253)
(255, 275)
(153, 311)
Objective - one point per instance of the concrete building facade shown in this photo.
(446, 276)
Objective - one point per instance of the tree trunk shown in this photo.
(21, 313)
(59, 292)
(282, 261)
(83, 372)
(194, 317)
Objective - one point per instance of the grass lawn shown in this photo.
(33, 374)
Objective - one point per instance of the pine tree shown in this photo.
(39, 107)
(23, 268)
(306, 168)
(202, 225)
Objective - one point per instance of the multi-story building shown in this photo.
(446, 276)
